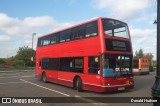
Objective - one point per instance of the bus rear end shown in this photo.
(140, 66)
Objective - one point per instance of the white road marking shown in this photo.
(30, 79)
(9, 76)
(6, 74)
(12, 82)
(28, 76)
(45, 87)
(18, 76)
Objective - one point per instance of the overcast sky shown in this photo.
(20, 18)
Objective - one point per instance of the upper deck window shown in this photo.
(115, 28)
(75, 33)
(45, 41)
(91, 29)
(54, 38)
(62, 36)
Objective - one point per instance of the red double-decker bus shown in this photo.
(95, 56)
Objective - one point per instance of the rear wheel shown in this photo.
(79, 84)
(44, 78)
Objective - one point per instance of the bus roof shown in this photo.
(79, 25)
(140, 58)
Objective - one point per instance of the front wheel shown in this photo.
(79, 84)
(44, 78)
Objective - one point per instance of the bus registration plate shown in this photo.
(121, 88)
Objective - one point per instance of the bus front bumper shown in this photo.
(113, 88)
(116, 88)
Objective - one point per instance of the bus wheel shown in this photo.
(44, 78)
(79, 84)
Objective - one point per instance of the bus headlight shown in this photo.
(127, 82)
(106, 84)
(131, 82)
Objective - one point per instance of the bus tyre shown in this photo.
(79, 84)
(44, 78)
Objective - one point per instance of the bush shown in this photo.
(151, 69)
(2, 61)
(30, 64)
(18, 63)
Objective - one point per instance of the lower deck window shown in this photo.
(72, 64)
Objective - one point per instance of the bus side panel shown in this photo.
(76, 48)
(92, 82)
(140, 63)
(66, 78)
(144, 66)
(38, 70)
(52, 75)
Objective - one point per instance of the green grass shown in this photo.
(17, 69)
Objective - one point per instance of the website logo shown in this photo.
(6, 100)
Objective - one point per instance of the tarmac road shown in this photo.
(24, 84)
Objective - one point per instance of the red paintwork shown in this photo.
(84, 47)
(143, 64)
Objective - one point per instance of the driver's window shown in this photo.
(94, 65)
(112, 63)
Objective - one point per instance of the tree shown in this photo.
(9, 61)
(139, 54)
(24, 54)
(149, 56)
(18, 63)
(2, 61)
(154, 64)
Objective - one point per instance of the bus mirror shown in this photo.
(96, 59)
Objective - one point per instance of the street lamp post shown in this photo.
(156, 86)
(32, 45)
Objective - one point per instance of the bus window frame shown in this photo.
(72, 31)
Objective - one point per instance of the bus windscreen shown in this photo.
(115, 28)
(116, 65)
